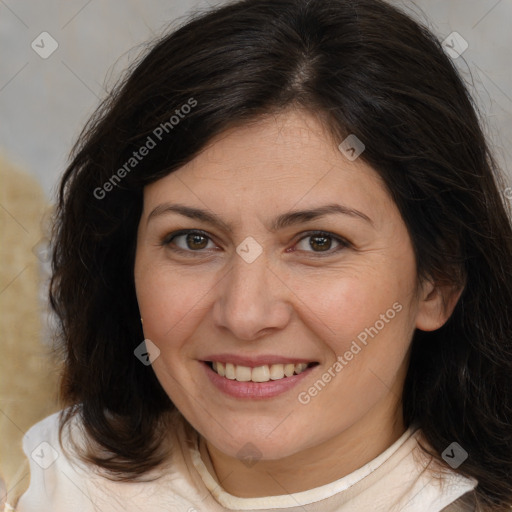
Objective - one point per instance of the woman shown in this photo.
(282, 268)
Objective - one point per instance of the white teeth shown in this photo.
(299, 368)
(230, 371)
(221, 369)
(242, 373)
(289, 369)
(276, 371)
(262, 373)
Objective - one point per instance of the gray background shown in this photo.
(45, 102)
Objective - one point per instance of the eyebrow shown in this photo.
(282, 221)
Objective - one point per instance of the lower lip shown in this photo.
(254, 390)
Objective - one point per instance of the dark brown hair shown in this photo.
(366, 69)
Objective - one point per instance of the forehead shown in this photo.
(286, 143)
(282, 161)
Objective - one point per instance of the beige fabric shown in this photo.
(27, 378)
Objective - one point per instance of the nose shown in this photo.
(252, 300)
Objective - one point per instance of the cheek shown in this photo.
(343, 309)
(169, 301)
(367, 329)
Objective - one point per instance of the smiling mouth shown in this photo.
(263, 373)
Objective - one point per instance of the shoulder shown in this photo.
(52, 467)
(44, 446)
(44, 432)
(60, 481)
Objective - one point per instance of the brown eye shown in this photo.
(187, 241)
(321, 242)
(196, 241)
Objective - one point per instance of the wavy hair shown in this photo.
(365, 68)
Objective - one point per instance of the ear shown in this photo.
(436, 304)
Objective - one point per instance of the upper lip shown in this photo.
(254, 361)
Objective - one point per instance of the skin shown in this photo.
(294, 299)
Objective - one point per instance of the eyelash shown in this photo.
(169, 238)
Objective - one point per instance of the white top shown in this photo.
(395, 481)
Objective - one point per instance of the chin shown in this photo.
(258, 444)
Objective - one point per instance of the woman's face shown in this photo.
(258, 287)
